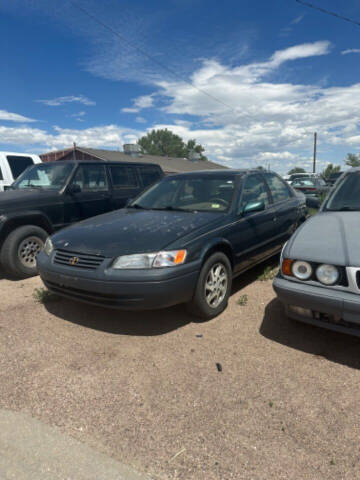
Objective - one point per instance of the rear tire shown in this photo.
(213, 287)
(19, 250)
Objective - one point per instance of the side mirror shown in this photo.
(252, 207)
(73, 189)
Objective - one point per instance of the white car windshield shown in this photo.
(346, 196)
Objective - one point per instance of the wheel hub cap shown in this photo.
(216, 284)
(29, 248)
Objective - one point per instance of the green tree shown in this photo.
(330, 168)
(352, 160)
(296, 170)
(167, 144)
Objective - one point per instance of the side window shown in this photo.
(123, 176)
(149, 175)
(254, 190)
(278, 188)
(18, 164)
(91, 178)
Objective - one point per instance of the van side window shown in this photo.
(18, 164)
(123, 176)
(91, 178)
(149, 175)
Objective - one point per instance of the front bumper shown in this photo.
(324, 307)
(123, 289)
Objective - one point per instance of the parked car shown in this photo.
(319, 281)
(12, 165)
(297, 176)
(50, 196)
(181, 241)
(313, 188)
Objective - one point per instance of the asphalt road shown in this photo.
(145, 388)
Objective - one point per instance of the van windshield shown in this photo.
(206, 194)
(50, 176)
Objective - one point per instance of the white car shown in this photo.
(13, 164)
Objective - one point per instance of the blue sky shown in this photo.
(282, 70)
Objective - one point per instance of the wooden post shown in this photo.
(314, 162)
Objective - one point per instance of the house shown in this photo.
(170, 165)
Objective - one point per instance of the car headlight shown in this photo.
(327, 274)
(48, 247)
(150, 260)
(302, 270)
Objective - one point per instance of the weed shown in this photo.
(269, 273)
(41, 295)
(242, 300)
(271, 404)
(332, 462)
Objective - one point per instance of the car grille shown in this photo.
(78, 260)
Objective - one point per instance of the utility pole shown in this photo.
(314, 162)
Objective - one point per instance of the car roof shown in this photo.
(220, 173)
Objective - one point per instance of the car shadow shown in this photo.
(253, 274)
(336, 347)
(119, 322)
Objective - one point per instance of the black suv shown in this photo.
(50, 196)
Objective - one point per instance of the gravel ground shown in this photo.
(145, 387)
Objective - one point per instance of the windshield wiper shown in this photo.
(173, 209)
(136, 205)
(344, 208)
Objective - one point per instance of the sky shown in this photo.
(251, 80)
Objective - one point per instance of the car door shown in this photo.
(286, 207)
(93, 197)
(252, 233)
(125, 184)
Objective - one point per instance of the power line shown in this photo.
(147, 55)
(328, 12)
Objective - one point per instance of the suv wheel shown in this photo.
(19, 251)
(213, 287)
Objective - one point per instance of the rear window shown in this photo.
(149, 175)
(305, 182)
(123, 177)
(18, 164)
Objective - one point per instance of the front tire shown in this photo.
(213, 287)
(19, 251)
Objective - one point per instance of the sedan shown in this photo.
(319, 280)
(182, 241)
(313, 188)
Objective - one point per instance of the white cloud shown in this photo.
(14, 117)
(56, 102)
(140, 120)
(297, 20)
(350, 50)
(144, 101)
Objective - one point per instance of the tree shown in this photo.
(352, 160)
(330, 168)
(167, 144)
(296, 170)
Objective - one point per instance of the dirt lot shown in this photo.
(144, 387)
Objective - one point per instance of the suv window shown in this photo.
(278, 188)
(254, 190)
(91, 178)
(123, 177)
(18, 164)
(149, 175)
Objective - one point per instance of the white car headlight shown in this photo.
(150, 260)
(327, 274)
(48, 247)
(302, 270)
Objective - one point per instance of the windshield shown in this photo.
(346, 196)
(206, 194)
(49, 176)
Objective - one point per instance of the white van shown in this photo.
(13, 164)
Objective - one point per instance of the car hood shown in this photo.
(327, 237)
(24, 198)
(130, 231)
